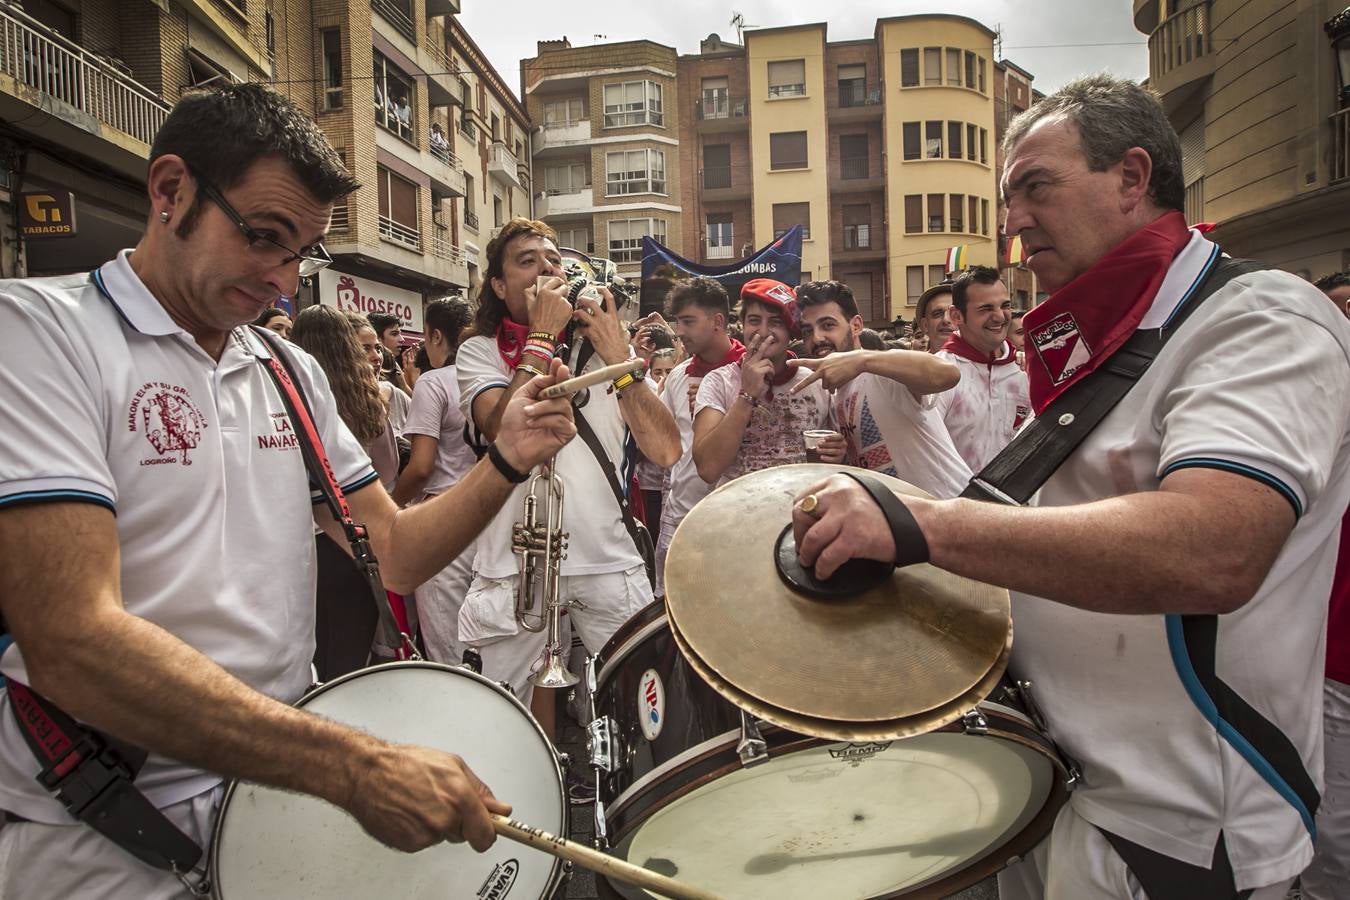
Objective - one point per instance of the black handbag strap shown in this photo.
(641, 537)
(325, 481)
(1038, 450)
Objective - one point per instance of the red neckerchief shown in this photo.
(511, 341)
(698, 368)
(1088, 319)
(959, 346)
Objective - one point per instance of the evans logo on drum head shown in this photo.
(500, 881)
(651, 704)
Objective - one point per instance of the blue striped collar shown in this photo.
(1184, 275)
(118, 282)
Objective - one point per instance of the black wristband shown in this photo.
(508, 471)
(911, 547)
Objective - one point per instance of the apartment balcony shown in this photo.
(447, 175)
(1181, 54)
(397, 233)
(856, 175)
(859, 243)
(551, 204)
(718, 184)
(442, 80)
(717, 111)
(397, 13)
(471, 219)
(556, 138)
(442, 8)
(856, 104)
(503, 165)
(446, 261)
(73, 98)
(718, 251)
(1340, 146)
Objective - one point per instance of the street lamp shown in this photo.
(1338, 29)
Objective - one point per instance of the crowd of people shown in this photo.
(1203, 498)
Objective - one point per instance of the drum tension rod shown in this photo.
(752, 749)
(975, 723)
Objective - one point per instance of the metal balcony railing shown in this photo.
(1181, 38)
(715, 177)
(857, 237)
(434, 43)
(1195, 200)
(855, 93)
(787, 90)
(34, 55)
(340, 220)
(471, 219)
(397, 13)
(400, 234)
(441, 248)
(1340, 144)
(445, 156)
(719, 105)
(721, 251)
(854, 167)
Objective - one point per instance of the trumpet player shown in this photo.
(602, 579)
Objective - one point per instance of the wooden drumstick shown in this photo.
(602, 863)
(609, 373)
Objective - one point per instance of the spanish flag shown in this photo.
(956, 257)
(1016, 256)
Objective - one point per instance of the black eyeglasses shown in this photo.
(274, 253)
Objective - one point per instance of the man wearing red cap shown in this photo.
(746, 416)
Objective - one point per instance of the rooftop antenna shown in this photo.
(998, 42)
(738, 22)
(599, 37)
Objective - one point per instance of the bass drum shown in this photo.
(920, 817)
(274, 844)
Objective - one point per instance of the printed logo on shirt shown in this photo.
(499, 881)
(866, 442)
(170, 421)
(282, 436)
(1061, 347)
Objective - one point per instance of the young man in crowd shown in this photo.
(984, 409)
(1337, 287)
(516, 333)
(157, 570)
(933, 316)
(439, 459)
(700, 310)
(1169, 580)
(746, 416)
(883, 399)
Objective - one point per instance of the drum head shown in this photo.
(274, 844)
(849, 821)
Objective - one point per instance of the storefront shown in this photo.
(366, 295)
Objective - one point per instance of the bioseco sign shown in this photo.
(366, 296)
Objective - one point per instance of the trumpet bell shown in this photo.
(553, 673)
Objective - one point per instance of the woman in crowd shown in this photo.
(346, 616)
(274, 318)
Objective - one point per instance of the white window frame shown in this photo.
(720, 238)
(566, 178)
(572, 109)
(646, 109)
(628, 249)
(649, 179)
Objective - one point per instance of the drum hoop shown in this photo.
(1018, 729)
(624, 650)
(558, 871)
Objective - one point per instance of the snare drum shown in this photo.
(688, 796)
(275, 844)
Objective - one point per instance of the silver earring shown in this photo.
(164, 217)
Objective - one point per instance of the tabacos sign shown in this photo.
(366, 296)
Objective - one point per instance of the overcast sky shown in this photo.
(1054, 40)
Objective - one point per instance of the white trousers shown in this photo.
(75, 862)
(1076, 862)
(438, 603)
(608, 600)
(1328, 877)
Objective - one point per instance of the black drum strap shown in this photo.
(1165, 878)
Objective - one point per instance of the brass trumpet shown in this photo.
(541, 544)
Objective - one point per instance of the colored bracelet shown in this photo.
(508, 471)
(749, 398)
(543, 336)
(543, 351)
(624, 381)
(526, 367)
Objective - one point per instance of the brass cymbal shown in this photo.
(917, 642)
(833, 730)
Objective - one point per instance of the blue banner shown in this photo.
(662, 267)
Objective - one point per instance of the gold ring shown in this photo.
(809, 504)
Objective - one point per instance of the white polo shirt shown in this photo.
(597, 543)
(435, 413)
(985, 408)
(1257, 382)
(107, 401)
(889, 431)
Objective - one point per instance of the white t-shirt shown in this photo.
(597, 543)
(435, 413)
(383, 451)
(888, 431)
(773, 437)
(1255, 382)
(685, 487)
(985, 408)
(108, 401)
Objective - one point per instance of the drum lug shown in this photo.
(1023, 689)
(975, 723)
(601, 743)
(752, 749)
(601, 824)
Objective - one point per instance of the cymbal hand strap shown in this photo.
(911, 547)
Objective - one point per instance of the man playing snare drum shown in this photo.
(1170, 581)
(156, 555)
